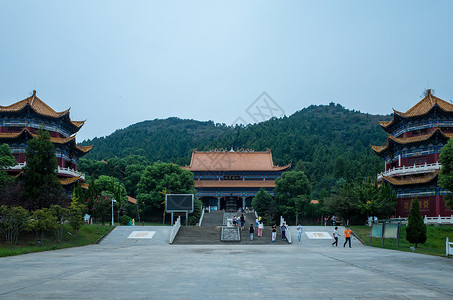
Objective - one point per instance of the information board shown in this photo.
(391, 231)
(376, 230)
(179, 203)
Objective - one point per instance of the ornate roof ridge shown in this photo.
(412, 179)
(39, 106)
(408, 140)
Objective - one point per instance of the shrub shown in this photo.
(124, 220)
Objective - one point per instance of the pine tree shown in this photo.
(416, 228)
(41, 186)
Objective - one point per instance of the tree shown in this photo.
(42, 220)
(41, 185)
(265, 205)
(61, 214)
(446, 172)
(13, 220)
(416, 228)
(6, 160)
(292, 191)
(99, 207)
(76, 212)
(113, 188)
(158, 179)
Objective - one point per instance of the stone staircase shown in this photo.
(210, 232)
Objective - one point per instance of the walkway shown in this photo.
(301, 271)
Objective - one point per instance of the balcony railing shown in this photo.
(63, 171)
(410, 170)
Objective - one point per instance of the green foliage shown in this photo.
(42, 220)
(151, 139)
(88, 234)
(41, 185)
(264, 205)
(358, 201)
(13, 220)
(292, 191)
(6, 160)
(61, 214)
(76, 214)
(326, 141)
(446, 172)
(124, 220)
(99, 207)
(435, 242)
(160, 179)
(194, 217)
(416, 228)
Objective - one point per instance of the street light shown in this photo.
(113, 200)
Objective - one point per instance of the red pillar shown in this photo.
(437, 205)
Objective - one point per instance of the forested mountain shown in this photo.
(328, 142)
(169, 140)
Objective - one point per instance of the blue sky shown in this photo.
(116, 63)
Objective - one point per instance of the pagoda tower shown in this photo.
(19, 122)
(415, 139)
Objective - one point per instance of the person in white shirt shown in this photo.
(335, 236)
(299, 231)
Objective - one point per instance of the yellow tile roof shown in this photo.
(235, 183)
(55, 140)
(421, 108)
(69, 180)
(408, 140)
(411, 180)
(36, 104)
(233, 161)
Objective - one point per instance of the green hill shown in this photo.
(328, 142)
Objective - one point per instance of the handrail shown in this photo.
(404, 170)
(175, 229)
(202, 216)
(288, 232)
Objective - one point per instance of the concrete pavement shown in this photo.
(306, 270)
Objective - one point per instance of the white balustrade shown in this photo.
(409, 170)
(61, 170)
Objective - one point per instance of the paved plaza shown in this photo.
(311, 269)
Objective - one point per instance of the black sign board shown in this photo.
(179, 203)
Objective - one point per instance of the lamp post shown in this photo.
(113, 201)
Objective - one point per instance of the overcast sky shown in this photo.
(116, 63)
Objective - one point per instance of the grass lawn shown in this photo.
(27, 243)
(435, 242)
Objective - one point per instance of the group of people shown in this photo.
(347, 235)
(259, 224)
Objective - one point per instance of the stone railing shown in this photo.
(288, 232)
(175, 229)
(416, 169)
(65, 171)
(202, 216)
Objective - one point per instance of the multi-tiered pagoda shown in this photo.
(19, 122)
(415, 139)
(230, 179)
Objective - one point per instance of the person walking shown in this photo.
(252, 231)
(299, 232)
(283, 228)
(334, 220)
(335, 236)
(260, 228)
(242, 221)
(274, 233)
(347, 235)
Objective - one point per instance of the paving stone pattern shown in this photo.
(231, 234)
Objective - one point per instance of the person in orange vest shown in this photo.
(347, 235)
